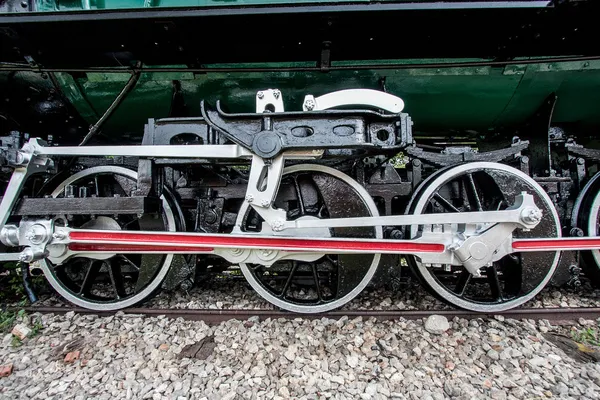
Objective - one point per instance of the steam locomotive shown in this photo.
(313, 145)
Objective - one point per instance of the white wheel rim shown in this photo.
(592, 221)
(426, 273)
(149, 289)
(362, 192)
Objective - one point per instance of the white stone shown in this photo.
(436, 324)
(21, 331)
(352, 361)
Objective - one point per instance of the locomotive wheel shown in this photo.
(586, 215)
(111, 282)
(315, 191)
(508, 282)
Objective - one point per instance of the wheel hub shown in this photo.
(102, 223)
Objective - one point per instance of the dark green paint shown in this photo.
(478, 98)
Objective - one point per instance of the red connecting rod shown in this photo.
(121, 242)
(167, 242)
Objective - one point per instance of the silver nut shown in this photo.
(265, 203)
(249, 198)
(59, 236)
(26, 255)
(531, 215)
(309, 104)
(276, 93)
(277, 225)
(9, 235)
(260, 95)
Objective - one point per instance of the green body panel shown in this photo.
(475, 98)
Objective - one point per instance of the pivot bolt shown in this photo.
(249, 198)
(478, 250)
(309, 104)
(260, 95)
(576, 232)
(185, 285)
(9, 235)
(396, 234)
(531, 215)
(37, 234)
(26, 255)
(266, 252)
(277, 225)
(59, 236)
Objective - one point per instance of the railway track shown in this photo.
(564, 316)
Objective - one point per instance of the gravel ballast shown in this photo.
(131, 357)
(232, 293)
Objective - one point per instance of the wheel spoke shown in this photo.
(317, 284)
(495, 287)
(463, 280)
(288, 282)
(445, 203)
(91, 273)
(299, 194)
(126, 224)
(97, 186)
(512, 272)
(116, 278)
(473, 191)
(128, 261)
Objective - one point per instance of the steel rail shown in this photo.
(557, 315)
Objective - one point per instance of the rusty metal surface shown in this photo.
(556, 315)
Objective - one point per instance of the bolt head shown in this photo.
(59, 236)
(26, 255)
(265, 203)
(249, 198)
(276, 93)
(260, 95)
(580, 161)
(277, 225)
(531, 215)
(309, 104)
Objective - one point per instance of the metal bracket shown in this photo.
(484, 248)
(354, 97)
(27, 162)
(34, 234)
(263, 184)
(269, 100)
(538, 131)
